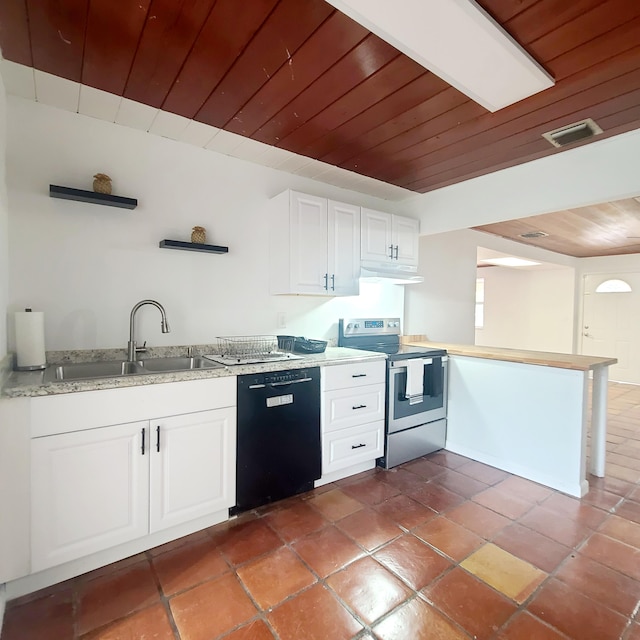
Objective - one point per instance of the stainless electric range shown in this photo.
(416, 412)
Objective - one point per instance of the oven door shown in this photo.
(403, 411)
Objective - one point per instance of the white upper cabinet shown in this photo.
(344, 249)
(389, 240)
(307, 243)
(377, 245)
(405, 238)
(314, 245)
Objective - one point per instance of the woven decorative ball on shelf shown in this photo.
(198, 235)
(102, 183)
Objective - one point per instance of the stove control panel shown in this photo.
(351, 327)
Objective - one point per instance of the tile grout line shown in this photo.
(163, 598)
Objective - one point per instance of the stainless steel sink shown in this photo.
(88, 370)
(177, 363)
(118, 368)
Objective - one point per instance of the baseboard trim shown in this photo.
(3, 602)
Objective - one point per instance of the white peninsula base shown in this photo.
(527, 419)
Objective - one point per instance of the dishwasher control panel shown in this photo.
(278, 378)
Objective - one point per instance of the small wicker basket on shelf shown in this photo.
(199, 235)
(102, 183)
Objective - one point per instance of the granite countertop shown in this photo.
(20, 384)
(543, 358)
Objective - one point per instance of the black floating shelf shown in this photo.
(192, 246)
(67, 193)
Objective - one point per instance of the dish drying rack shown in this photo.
(247, 346)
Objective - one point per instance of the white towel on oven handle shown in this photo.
(415, 380)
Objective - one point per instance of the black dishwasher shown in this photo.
(278, 450)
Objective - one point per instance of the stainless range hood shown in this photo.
(396, 274)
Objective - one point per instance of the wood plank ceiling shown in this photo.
(299, 75)
(608, 229)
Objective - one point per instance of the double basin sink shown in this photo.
(119, 368)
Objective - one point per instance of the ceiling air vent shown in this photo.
(533, 234)
(572, 133)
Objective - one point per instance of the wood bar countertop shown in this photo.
(543, 358)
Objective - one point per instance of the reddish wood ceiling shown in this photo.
(299, 75)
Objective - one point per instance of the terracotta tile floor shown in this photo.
(443, 547)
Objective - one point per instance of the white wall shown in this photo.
(528, 309)
(443, 306)
(4, 233)
(86, 265)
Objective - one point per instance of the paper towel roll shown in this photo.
(30, 340)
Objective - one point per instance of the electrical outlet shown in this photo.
(282, 320)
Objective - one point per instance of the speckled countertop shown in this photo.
(20, 384)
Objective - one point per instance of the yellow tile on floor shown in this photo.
(512, 576)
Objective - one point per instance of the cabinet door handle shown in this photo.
(158, 438)
(396, 256)
(359, 406)
(391, 251)
(333, 281)
(143, 432)
(358, 446)
(359, 375)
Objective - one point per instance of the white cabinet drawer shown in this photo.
(351, 407)
(352, 446)
(354, 375)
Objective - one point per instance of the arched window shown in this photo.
(613, 286)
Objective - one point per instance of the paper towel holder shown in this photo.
(37, 365)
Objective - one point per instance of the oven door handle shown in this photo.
(401, 364)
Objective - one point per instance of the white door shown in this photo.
(193, 466)
(89, 492)
(309, 272)
(376, 245)
(610, 325)
(405, 240)
(344, 249)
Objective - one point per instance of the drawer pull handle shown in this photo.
(359, 375)
(158, 438)
(358, 446)
(143, 432)
(359, 406)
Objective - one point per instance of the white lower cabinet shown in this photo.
(352, 418)
(348, 447)
(94, 489)
(89, 491)
(192, 467)
(353, 406)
